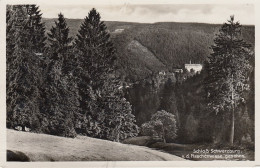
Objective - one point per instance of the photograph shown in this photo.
(129, 82)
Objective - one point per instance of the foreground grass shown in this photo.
(24, 146)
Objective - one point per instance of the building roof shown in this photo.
(193, 64)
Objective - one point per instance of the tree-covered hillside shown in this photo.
(173, 44)
(117, 80)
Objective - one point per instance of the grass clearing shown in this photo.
(42, 147)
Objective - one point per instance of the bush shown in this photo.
(162, 124)
(152, 128)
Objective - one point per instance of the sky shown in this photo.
(150, 13)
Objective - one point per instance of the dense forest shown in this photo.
(162, 45)
(101, 79)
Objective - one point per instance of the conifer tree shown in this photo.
(118, 121)
(23, 73)
(60, 42)
(10, 29)
(227, 72)
(61, 99)
(95, 60)
(105, 115)
(36, 28)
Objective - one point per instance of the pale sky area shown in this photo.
(150, 13)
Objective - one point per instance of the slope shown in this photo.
(42, 147)
(141, 60)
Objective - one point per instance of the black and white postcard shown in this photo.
(110, 83)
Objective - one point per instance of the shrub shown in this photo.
(152, 128)
(162, 124)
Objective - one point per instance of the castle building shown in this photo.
(195, 67)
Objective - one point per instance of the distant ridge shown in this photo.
(172, 43)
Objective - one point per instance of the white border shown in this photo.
(3, 162)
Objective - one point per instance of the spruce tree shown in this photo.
(104, 114)
(10, 30)
(227, 72)
(23, 73)
(59, 39)
(118, 121)
(36, 28)
(95, 57)
(61, 99)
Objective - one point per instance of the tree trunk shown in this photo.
(164, 140)
(231, 140)
(232, 131)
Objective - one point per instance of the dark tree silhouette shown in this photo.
(23, 74)
(228, 69)
(99, 95)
